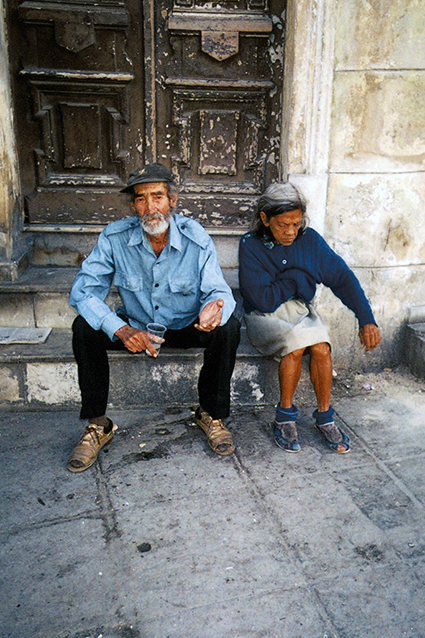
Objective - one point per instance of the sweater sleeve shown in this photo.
(339, 277)
(261, 289)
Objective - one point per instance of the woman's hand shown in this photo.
(370, 336)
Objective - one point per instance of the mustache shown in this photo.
(150, 217)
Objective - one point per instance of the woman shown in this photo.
(280, 263)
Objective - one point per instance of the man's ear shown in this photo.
(173, 200)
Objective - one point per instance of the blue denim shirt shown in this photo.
(170, 289)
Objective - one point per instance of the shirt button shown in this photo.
(156, 285)
(284, 261)
(156, 307)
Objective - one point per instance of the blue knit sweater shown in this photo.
(270, 274)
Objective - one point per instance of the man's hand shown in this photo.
(210, 316)
(137, 340)
(369, 336)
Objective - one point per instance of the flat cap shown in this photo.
(150, 173)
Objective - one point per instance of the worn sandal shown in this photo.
(86, 452)
(219, 439)
(331, 432)
(286, 436)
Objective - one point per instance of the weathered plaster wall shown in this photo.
(10, 217)
(356, 146)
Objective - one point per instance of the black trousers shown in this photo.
(90, 351)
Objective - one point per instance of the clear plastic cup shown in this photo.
(158, 330)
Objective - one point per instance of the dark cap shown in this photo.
(147, 174)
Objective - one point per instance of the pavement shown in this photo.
(162, 538)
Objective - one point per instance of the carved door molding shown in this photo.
(79, 95)
(101, 86)
(223, 75)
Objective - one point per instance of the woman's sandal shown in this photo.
(330, 431)
(286, 436)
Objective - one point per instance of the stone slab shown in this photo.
(10, 388)
(366, 221)
(45, 375)
(380, 35)
(378, 122)
(414, 348)
(17, 310)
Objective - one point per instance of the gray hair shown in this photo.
(278, 198)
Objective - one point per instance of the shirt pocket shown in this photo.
(184, 297)
(185, 287)
(131, 282)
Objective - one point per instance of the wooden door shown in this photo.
(103, 86)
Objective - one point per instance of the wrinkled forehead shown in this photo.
(288, 216)
(150, 188)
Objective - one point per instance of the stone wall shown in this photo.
(355, 144)
(12, 250)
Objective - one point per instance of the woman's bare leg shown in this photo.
(321, 374)
(289, 375)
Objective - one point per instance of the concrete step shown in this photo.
(44, 376)
(415, 349)
(40, 297)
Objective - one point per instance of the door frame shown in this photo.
(304, 144)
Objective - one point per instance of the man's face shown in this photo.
(153, 205)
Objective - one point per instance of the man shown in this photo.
(166, 270)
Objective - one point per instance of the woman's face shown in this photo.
(284, 227)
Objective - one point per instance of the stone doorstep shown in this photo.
(40, 297)
(415, 348)
(44, 376)
(41, 279)
(60, 279)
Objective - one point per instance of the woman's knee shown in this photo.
(320, 349)
(295, 355)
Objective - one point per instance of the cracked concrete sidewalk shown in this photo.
(164, 539)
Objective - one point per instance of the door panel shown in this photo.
(219, 114)
(101, 86)
(79, 88)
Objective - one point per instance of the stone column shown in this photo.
(307, 100)
(12, 246)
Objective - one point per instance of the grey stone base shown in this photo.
(44, 376)
(415, 349)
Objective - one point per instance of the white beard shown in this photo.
(155, 224)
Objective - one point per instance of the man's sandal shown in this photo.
(86, 452)
(286, 436)
(332, 433)
(219, 439)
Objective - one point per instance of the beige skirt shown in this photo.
(294, 325)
